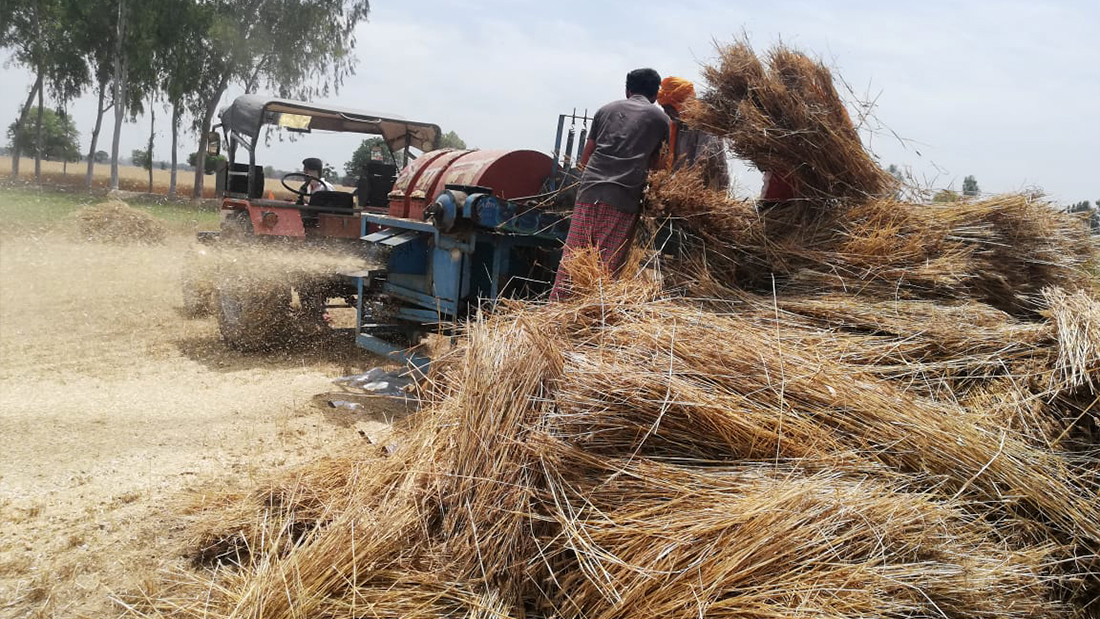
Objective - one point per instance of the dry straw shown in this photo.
(878, 409)
(114, 221)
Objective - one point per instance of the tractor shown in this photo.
(251, 315)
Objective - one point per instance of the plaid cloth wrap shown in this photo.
(598, 225)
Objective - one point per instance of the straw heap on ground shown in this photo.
(846, 406)
(114, 221)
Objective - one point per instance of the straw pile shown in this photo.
(784, 115)
(257, 282)
(114, 221)
(863, 411)
(1002, 251)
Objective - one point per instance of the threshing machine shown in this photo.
(451, 232)
(463, 229)
(331, 219)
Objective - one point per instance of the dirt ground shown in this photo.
(113, 405)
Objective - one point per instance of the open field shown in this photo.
(130, 178)
(112, 405)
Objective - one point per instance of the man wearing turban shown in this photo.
(687, 146)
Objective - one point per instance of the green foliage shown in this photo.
(43, 37)
(101, 156)
(329, 174)
(1091, 214)
(140, 158)
(945, 195)
(213, 162)
(451, 140)
(60, 139)
(375, 149)
(299, 49)
(970, 187)
(370, 149)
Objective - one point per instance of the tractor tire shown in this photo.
(237, 226)
(252, 320)
(196, 288)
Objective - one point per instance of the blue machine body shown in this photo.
(471, 249)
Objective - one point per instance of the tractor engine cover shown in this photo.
(510, 174)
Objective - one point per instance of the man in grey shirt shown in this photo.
(623, 145)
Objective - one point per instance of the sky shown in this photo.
(1007, 91)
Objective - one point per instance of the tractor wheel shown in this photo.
(237, 226)
(253, 320)
(196, 287)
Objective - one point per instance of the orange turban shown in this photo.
(675, 91)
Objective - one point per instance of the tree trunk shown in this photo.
(17, 151)
(204, 129)
(152, 129)
(95, 134)
(38, 137)
(119, 93)
(175, 136)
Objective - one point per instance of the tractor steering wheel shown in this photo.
(301, 191)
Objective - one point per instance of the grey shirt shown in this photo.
(627, 132)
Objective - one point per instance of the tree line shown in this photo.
(178, 56)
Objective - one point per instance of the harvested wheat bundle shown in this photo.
(561, 441)
(784, 115)
(1002, 250)
(114, 221)
(1076, 318)
(653, 539)
(866, 416)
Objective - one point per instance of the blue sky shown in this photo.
(1006, 91)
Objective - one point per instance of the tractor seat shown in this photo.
(332, 200)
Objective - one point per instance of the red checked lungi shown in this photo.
(598, 225)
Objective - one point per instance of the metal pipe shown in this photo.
(567, 160)
(557, 147)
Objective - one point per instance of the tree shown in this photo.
(41, 39)
(59, 138)
(140, 158)
(266, 43)
(970, 187)
(182, 30)
(375, 149)
(451, 140)
(101, 156)
(945, 195)
(95, 22)
(329, 174)
(134, 71)
(370, 149)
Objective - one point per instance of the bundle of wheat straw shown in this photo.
(784, 115)
(605, 456)
(878, 409)
(114, 221)
(1001, 251)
